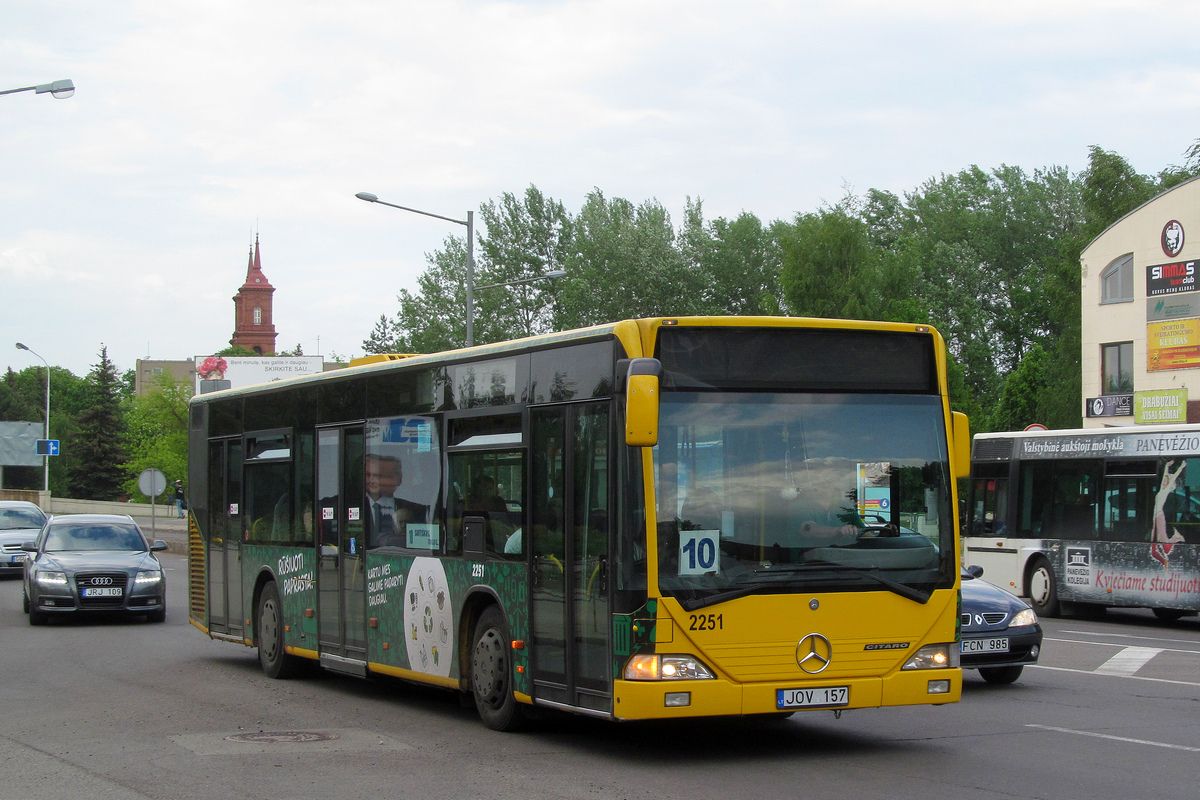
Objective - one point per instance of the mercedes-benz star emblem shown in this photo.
(814, 653)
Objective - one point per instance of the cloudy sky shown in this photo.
(127, 212)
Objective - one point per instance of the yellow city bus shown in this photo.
(654, 518)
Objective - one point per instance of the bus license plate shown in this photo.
(819, 697)
(106, 591)
(997, 645)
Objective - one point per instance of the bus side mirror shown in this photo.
(962, 444)
(641, 402)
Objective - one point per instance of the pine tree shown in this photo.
(99, 446)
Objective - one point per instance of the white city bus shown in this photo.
(1098, 517)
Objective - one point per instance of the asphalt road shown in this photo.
(129, 709)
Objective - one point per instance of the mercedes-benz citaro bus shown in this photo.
(649, 519)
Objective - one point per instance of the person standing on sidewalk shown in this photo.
(180, 502)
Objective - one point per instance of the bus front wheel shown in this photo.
(491, 673)
(275, 661)
(1043, 592)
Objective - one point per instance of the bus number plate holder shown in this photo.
(816, 697)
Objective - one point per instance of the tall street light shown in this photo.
(470, 223)
(45, 458)
(60, 90)
(551, 275)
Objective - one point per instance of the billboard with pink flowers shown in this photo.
(213, 371)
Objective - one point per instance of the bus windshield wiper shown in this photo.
(908, 592)
(721, 597)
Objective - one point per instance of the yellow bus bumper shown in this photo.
(665, 699)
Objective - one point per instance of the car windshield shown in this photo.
(94, 537)
(12, 519)
(793, 492)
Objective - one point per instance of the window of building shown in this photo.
(1116, 368)
(258, 316)
(1116, 281)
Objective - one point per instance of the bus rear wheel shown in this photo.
(491, 673)
(1170, 614)
(1043, 592)
(275, 661)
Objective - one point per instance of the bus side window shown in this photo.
(1183, 506)
(1128, 508)
(989, 517)
(1035, 499)
(1075, 503)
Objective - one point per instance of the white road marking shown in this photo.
(1128, 661)
(1117, 738)
(1115, 644)
(1107, 675)
(1131, 636)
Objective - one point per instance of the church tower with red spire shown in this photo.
(252, 323)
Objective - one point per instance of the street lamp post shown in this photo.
(60, 90)
(470, 223)
(45, 458)
(551, 275)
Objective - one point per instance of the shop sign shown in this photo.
(1160, 405)
(1178, 306)
(1173, 345)
(1172, 238)
(1110, 405)
(1173, 278)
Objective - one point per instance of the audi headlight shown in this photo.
(665, 668)
(146, 578)
(934, 656)
(1026, 617)
(50, 577)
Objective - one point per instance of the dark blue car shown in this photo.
(1000, 632)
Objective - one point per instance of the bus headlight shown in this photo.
(934, 656)
(1026, 617)
(665, 668)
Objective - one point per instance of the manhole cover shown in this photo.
(275, 737)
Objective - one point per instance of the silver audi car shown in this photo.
(93, 562)
(20, 522)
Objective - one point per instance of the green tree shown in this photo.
(1023, 395)
(383, 337)
(524, 239)
(157, 433)
(99, 444)
(982, 251)
(830, 268)
(23, 399)
(738, 262)
(433, 318)
(1111, 189)
(237, 351)
(626, 263)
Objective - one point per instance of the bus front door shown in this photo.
(341, 596)
(571, 622)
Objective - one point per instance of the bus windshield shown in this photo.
(772, 492)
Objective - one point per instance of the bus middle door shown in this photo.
(341, 575)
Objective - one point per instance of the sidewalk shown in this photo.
(171, 529)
